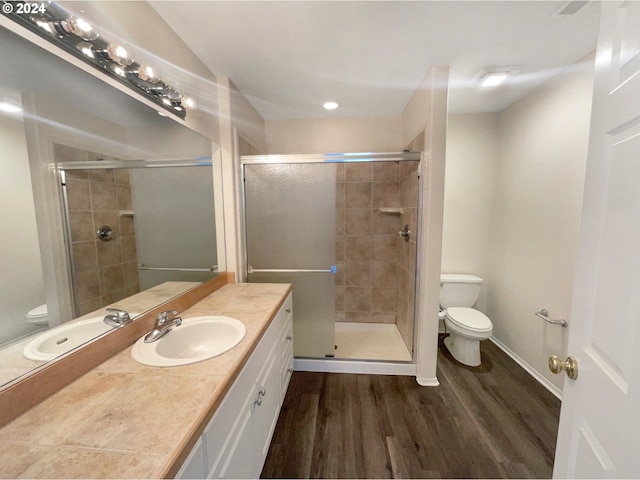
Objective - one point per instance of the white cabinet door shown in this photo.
(238, 460)
(194, 466)
(229, 433)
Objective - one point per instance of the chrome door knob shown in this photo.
(570, 365)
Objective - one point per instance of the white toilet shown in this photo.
(467, 326)
(38, 315)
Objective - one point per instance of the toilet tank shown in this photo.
(458, 290)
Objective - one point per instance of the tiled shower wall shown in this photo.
(105, 272)
(375, 280)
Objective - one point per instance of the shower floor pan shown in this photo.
(370, 341)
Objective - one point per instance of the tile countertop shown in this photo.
(126, 420)
(13, 363)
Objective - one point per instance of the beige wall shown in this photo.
(542, 148)
(330, 135)
(470, 190)
(247, 120)
(166, 140)
(513, 199)
(21, 285)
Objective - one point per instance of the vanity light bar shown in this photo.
(78, 35)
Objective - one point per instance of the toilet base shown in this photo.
(464, 350)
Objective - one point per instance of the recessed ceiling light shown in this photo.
(493, 79)
(493, 76)
(330, 105)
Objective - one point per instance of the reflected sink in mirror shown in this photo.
(62, 339)
(197, 339)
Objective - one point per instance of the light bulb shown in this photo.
(119, 54)
(148, 74)
(189, 103)
(81, 26)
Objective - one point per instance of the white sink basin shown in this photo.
(197, 339)
(66, 337)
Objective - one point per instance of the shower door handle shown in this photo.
(332, 269)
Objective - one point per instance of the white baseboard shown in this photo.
(533, 372)
(353, 366)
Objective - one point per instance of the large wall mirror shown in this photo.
(104, 203)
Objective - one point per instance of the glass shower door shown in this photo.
(291, 223)
(174, 218)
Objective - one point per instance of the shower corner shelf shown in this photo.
(125, 213)
(392, 211)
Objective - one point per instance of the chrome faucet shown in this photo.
(118, 318)
(163, 325)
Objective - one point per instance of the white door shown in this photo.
(599, 435)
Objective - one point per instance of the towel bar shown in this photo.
(544, 314)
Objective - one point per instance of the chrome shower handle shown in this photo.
(406, 233)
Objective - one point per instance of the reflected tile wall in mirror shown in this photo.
(104, 272)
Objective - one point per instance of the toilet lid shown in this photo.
(469, 318)
(38, 312)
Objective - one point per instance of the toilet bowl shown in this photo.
(38, 315)
(466, 326)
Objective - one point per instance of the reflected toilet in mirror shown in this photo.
(38, 315)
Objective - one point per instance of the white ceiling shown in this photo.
(288, 57)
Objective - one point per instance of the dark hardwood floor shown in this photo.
(491, 421)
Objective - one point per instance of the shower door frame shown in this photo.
(341, 158)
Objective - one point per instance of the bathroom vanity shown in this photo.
(210, 419)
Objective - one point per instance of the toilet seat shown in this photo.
(38, 315)
(469, 319)
(38, 312)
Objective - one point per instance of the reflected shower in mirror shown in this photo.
(57, 124)
(132, 229)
